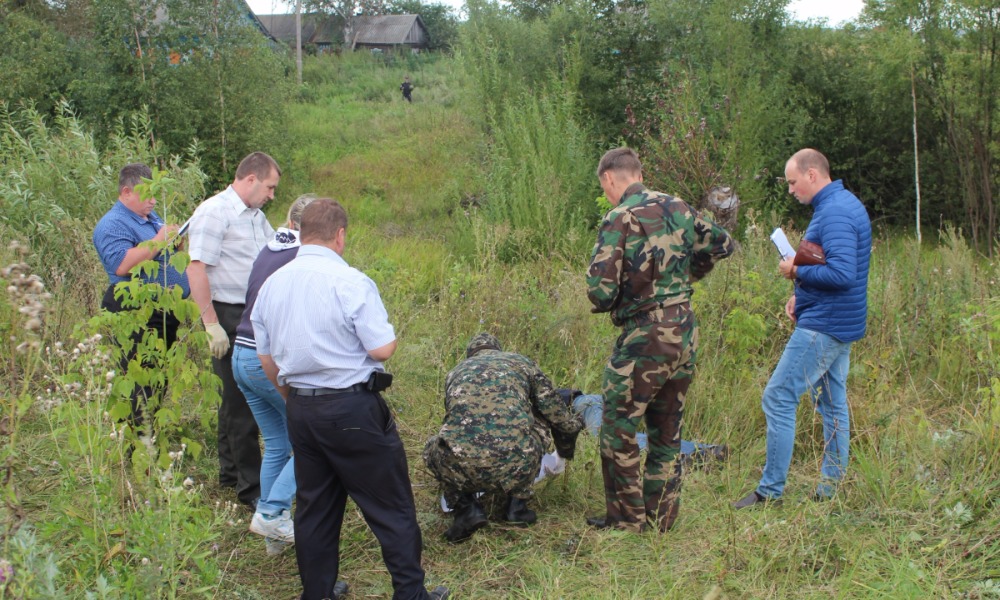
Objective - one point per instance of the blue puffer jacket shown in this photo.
(833, 298)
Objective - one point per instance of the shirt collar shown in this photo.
(153, 217)
(235, 202)
(632, 190)
(322, 251)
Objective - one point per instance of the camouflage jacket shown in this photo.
(650, 249)
(495, 400)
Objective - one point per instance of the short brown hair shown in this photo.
(322, 219)
(259, 164)
(807, 158)
(622, 159)
(132, 175)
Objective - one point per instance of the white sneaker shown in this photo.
(279, 528)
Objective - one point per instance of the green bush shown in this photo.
(122, 512)
(57, 184)
(34, 62)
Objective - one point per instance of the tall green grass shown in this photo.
(540, 180)
(541, 177)
(916, 516)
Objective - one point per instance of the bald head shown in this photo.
(807, 158)
(806, 173)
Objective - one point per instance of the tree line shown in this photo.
(712, 92)
(212, 83)
(723, 91)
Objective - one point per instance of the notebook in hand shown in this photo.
(785, 249)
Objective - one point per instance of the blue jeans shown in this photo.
(277, 468)
(817, 363)
(591, 406)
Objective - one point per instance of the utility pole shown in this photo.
(916, 146)
(298, 38)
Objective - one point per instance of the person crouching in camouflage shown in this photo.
(500, 413)
(650, 248)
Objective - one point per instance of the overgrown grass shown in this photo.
(916, 517)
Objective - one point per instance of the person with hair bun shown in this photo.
(272, 517)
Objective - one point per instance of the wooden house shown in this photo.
(389, 32)
(325, 33)
(320, 31)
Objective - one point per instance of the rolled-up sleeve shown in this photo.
(367, 315)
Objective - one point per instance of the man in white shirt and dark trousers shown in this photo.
(322, 334)
(226, 234)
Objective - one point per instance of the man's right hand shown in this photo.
(165, 232)
(218, 339)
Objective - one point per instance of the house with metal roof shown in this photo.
(387, 32)
(326, 32)
(319, 31)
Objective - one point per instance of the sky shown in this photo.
(834, 11)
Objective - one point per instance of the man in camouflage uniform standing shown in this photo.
(650, 248)
(499, 411)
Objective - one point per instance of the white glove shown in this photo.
(218, 339)
(552, 464)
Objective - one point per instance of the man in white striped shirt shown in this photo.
(226, 234)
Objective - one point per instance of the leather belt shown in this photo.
(357, 387)
(662, 313)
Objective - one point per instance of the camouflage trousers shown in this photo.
(647, 376)
(512, 473)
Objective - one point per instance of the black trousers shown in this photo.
(239, 437)
(164, 324)
(347, 445)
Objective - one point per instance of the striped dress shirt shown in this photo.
(227, 236)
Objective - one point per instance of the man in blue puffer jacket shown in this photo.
(830, 309)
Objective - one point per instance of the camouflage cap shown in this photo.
(482, 341)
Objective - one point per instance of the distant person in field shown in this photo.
(407, 88)
(829, 308)
(226, 234)
(501, 414)
(322, 336)
(273, 518)
(650, 248)
(119, 238)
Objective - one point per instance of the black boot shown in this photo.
(469, 518)
(518, 511)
